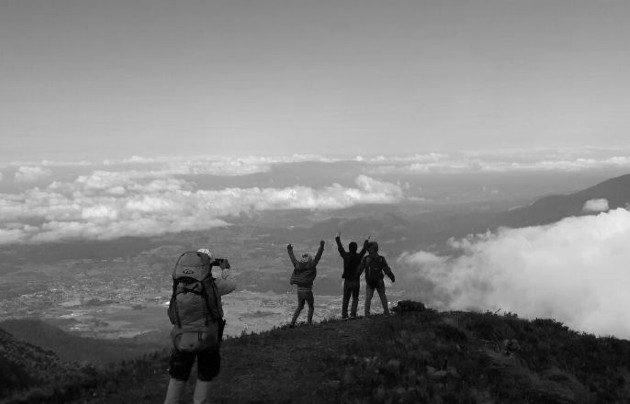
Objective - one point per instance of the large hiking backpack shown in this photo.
(373, 271)
(195, 308)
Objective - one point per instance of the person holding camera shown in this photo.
(225, 283)
(304, 273)
(196, 312)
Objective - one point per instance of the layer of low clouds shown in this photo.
(575, 271)
(543, 160)
(496, 161)
(108, 205)
(31, 173)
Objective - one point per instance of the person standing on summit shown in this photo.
(304, 273)
(351, 275)
(375, 267)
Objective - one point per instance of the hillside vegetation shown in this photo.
(71, 348)
(416, 355)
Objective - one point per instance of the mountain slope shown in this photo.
(417, 355)
(24, 366)
(556, 207)
(72, 348)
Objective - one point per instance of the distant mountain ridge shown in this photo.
(549, 209)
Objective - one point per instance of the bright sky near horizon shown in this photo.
(115, 78)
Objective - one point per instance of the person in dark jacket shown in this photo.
(351, 275)
(304, 273)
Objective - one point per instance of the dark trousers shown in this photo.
(350, 289)
(208, 364)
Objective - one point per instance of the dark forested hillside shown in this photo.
(72, 348)
(28, 368)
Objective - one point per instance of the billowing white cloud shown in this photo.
(31, 173)
(596, 205)
(575, 271)
(107, 205)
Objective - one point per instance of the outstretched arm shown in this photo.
(362, 266)
(291, 255)
(320, 251)
(364, 249)
(340, 248)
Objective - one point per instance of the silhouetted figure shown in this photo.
(351, 275)
(304, 273)
(375, 266)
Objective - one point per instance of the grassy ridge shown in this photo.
(416, 355)
(461, 357)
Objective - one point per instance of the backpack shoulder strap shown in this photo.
(210, 313)
(173, 304)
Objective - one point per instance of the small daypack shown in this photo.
(195, 308)
(373, 271)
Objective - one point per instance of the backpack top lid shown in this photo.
(193, 264)
(205, 251)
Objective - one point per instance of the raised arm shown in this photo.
(364, 249)
(320, 251)
(291, 255)
(340, 248)
(362, 266)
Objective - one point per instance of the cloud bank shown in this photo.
(31, 173)
(501, 161)
(465, 161)
(108, 205)
(575, 271)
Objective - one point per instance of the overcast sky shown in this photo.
(115, 78)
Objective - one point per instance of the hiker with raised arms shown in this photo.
(196, 312)
(351, 275)
(375, 266)
(304, 273)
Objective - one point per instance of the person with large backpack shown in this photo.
(304, 273)
(375, 267)
(351, 275)
(196, 312)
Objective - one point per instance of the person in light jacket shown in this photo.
(304, 273)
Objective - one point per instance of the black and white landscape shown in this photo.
(483, 144)
(89, 247)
